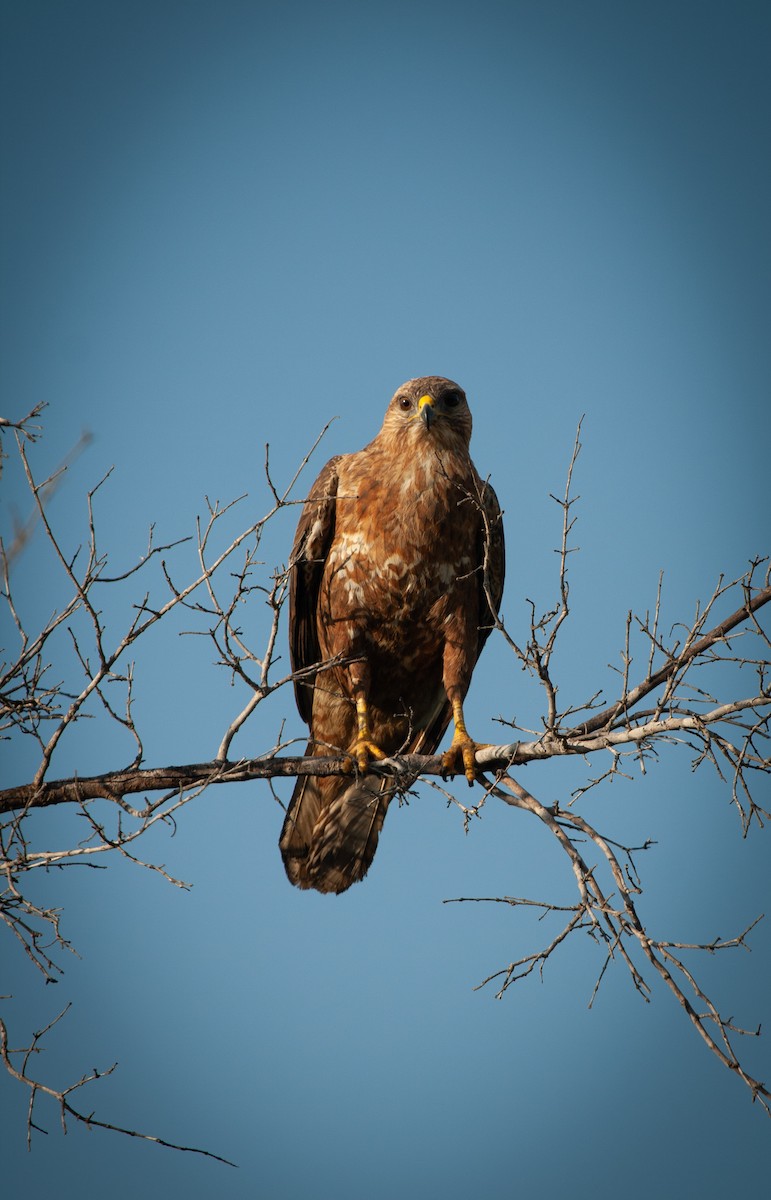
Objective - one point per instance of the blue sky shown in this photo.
(223, 225)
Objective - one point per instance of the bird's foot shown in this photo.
(461, 756)
(462, 751)
(364, 749)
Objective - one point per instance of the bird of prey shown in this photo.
(396, 571)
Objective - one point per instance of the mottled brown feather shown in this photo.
(387, 575)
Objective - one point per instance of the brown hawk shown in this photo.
(388, 574)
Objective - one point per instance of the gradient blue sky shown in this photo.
(223, 224)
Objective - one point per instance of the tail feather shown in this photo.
(332, 825)
(331, 831)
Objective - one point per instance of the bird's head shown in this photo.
(432, 407)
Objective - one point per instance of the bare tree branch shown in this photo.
(28, 430)
(613, 919)
(77, 666)
(62, 1096)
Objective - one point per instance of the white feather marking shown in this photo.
(355, 591)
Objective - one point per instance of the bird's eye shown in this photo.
(451, 399)
(404, 403)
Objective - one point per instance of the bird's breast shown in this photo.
(400, 548)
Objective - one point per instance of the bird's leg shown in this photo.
(462, 748)
(364, 749)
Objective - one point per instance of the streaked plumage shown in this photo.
(387, 573)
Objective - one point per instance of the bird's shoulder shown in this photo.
(317, 517)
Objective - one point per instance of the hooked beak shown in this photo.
(426, 410)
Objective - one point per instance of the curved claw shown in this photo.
(462, 752)
(364, 748)
(363, 751)
(462, 749)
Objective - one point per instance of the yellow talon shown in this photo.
(463, 748)
(364, 749)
